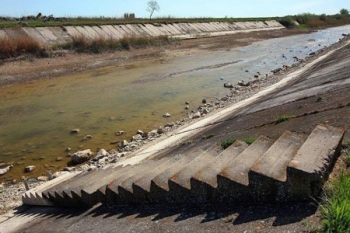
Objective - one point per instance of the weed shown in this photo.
(207, 136)
(227, 142)
(249, 140)
(348, 158)
(319, 99)
(18, 45)
(283, 118)
(336, 206)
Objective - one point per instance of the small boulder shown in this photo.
(73, 131)
(228, 85)
(196, 115)
(30, 168)
(204, 101)
(136, 137)
(119, 133)
(160, 130)
(5, 170)
(167, 115)
(43, 178)
(124, 143)
(101, 154)
(81, 156)
(140, 132)
(59, 159)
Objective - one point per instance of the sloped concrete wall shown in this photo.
(59, 35)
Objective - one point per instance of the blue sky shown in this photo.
(175, 8)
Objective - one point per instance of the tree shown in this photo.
(151, 7)
(344, 12)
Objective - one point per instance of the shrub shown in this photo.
(287, 22)
(336, 206)
(17, 45)
(207, 136)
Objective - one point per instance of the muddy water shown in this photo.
(36, 118)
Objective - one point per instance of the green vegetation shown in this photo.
(283, 118)
(227, 142)
(319, 98)
(336, 206)
(207, 136)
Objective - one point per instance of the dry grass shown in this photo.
(18, 45)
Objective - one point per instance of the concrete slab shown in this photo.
(134, 30)
(274, 162)
(141, 29)
(62, 35)
(36, 35)
(127, 30)
(116, 33)
(179, 28)
(193, 29)
(153, 29)
(92, 33)
(73, 32)
(111, 34)
(84, 32)
(101, 32)
(213, 25)
(169, 29)
(174, 29)
(48, 35)
(165, 31)
(121, 31)
(318, 150)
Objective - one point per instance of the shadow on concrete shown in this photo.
(282, 214)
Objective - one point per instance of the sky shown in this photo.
(174, 8)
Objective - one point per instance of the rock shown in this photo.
(256, 76)
(81, 156)
(160, 130)
(228, 85)
(59, 159)
(92, 167)
(114, 142)
(136, 137)
(68, 149)
(196, 115)
(166, 115)
(101, 154)
(140, 132)
(243, 84)
(30, 168)
(87, 137)
(73, 131)
(61, 173)
(204, 101)
(275, 71)
(152, 134)
(187, 107)
(68, 169)
(43, 178)
(205, 111)
(312, 54)
(187, 103)
(5, 170)
(124, 143)
(119, 133)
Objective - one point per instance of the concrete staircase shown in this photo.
(292, 168)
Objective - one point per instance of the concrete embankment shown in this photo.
(65, 34)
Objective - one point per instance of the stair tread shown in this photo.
(274, 162)
(209, 173)
(161, 180)
(317, 149)
(183, 176)
(239, 168)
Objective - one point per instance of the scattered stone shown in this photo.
(136, 137)
(59, 159)
(228, 85)
(124, 143)
(81, 156)
(166, 115)
(187, 103)
(87, 137)
(5, 170)
(68, 169)
(68, 149)
(204, 101)
(101, 154)
(119, 133)
(187, 107)
(43, 178)
(30, 168)
(196, 115)
(152, 134)
(140, 132)
(114, 142)
(160, 130)
(73, 131)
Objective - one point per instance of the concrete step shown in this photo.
(313, 162)
(36, 197)
(110, 192)
(233, 180)
(268, 176)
